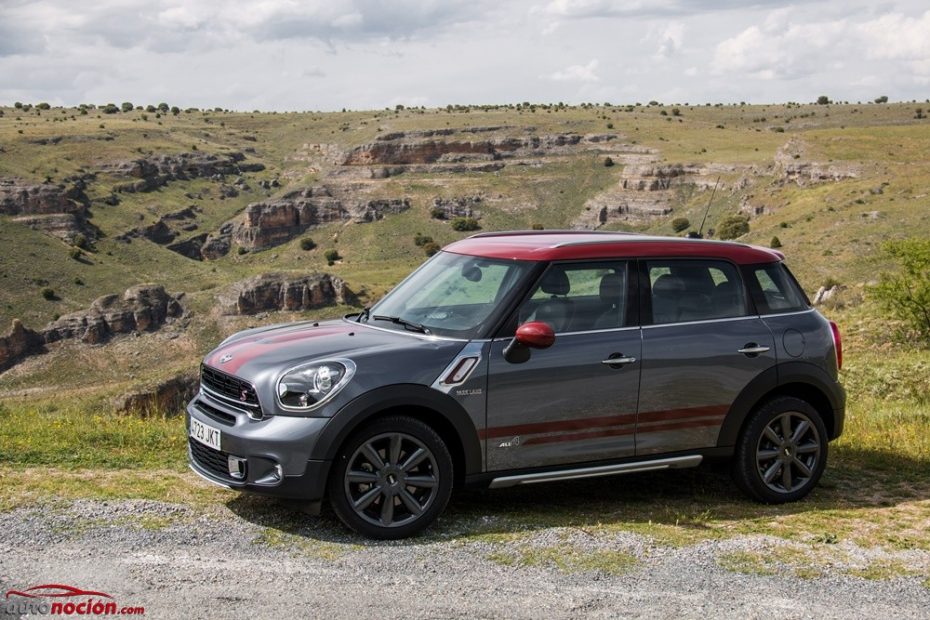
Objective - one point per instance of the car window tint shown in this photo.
(779, 291)
(579, 297)
(692, 290)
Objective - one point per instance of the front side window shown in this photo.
(451, 295)
(694, 290)
(578, 297)
(779, 291)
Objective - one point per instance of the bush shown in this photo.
(48, 294)
(906, 295)
(431, 247)
(733, 226)
(43, 106)
(775, 242)
(680, 223)
(437, 214)
(175, 110)
(538, 227)
(162, 107)
(18, 105)
(882, 99)
(331, 257)
(463, 224)
(75, 253)
(241, 250)
(110, 108)
(421, 240)
(823, 100)
(80, 241)
(126, 107)
(150, 108)
(608, 162)
(307, 244)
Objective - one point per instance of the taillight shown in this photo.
(837, 344)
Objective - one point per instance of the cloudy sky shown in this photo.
(330, 54)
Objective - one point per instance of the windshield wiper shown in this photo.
(416, 327)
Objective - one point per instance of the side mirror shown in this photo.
(532, 335)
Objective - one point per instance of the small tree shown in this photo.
(331, 256)
(733, 226)
(775, 242)
(150, 108)
(48, 294)
(431, 247)
(110, 109)
(163, 107)
(421, 240)
(823, 100)
(906, 294)
(307, 244)
(680, 223)
(882, 99)
(126, 107)
(175, 110)
(43, 106)
(608, 161)
(463, 224)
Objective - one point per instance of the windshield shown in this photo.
(450, 295)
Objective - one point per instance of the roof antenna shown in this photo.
(700, 233)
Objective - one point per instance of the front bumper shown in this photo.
(273, 455)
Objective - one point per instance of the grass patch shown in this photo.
(274, 538)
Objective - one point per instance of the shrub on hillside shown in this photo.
(43, 106)
(906, 294)
(733, 226)
(431, 247)
(307, 244)
(775, 242)
(608, 162)
(419, 239)
(331, 257)
(48, 294)
(437, 213)
(126, 107)
(680, 223)
(463, 224)
(110, 108)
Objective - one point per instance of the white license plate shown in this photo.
(205, 434)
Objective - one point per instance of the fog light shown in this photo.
(272, 477)
(236, 467)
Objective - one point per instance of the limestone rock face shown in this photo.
(460, 206)
(57, 210)
(166, 397)
(19, 343)
(157, 170)
(144, 307)
(273, 222)
(792, 165)
(273, 292)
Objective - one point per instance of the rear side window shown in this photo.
(694, 290)
(777, 289)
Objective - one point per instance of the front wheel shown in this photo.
(782, 452)
(391, 479)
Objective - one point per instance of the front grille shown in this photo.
(233, 389)
(215, 414)
(214, 461)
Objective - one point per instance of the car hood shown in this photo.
(382, 356)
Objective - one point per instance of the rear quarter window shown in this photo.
(775, 289)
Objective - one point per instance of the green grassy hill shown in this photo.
(829, 229)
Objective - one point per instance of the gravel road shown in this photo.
(236, 561)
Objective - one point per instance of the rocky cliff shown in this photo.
(19, 343)
(60, 210)
(272, 292)
(155, 171)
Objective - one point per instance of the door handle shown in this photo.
(618, 361)
(753, 349)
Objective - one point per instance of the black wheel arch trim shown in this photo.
(393, 397)
(768, 382)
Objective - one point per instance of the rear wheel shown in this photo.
(392, 479)
(782, 452)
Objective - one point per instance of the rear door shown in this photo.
(702, 348)
(565, 404)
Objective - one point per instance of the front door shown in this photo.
(702, 348)
(565, 404)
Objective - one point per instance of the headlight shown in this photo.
(308, 386)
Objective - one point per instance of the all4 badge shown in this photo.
(510, 443)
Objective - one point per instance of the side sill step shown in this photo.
(678, 462)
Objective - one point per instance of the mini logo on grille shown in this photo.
(226, 358)
(244, 395)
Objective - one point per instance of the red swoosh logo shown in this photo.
(54, 590)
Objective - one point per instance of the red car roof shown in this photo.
(568, 245)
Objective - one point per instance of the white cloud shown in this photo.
(576, 73)
(671, 39)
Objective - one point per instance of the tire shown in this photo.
(763, 455)
(391, 479)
